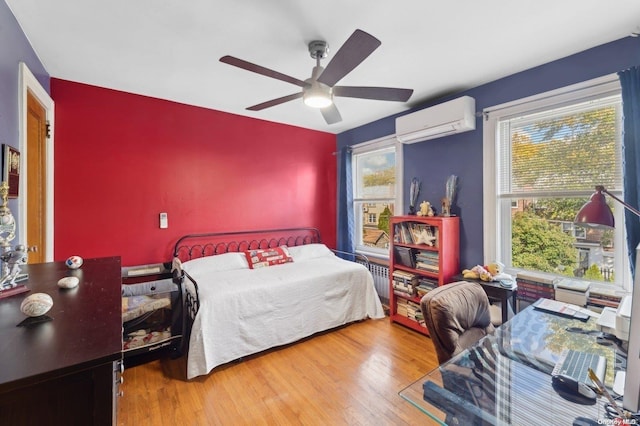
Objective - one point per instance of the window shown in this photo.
(544, 157)
(376, 193)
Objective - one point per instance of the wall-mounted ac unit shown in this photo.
(444, 119)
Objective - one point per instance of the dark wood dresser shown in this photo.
(65, 371)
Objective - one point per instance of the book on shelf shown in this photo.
(405, 256)
(401, 310)
(529, 297)
(404, 276)
(536, 288)
(573, 285)
(428, 282)
(421, 291)
(550, 286)
(403, 290)
(427, 267)
(415, 233)
(535, 285)
(595, 308)
(400, 295)
(601, 297)
(603, 302)
(573, 297)
(603, 293)
(403, 233)
(539, 278)
(427, 257)
(425, 285)
(599, 307)
(572, 291)
(531, 292)
(404, 283)
(409, 309)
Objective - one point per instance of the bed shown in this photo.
(289, 287)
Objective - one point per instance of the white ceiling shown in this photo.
(169, 49)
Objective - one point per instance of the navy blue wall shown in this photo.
(14, 48)
(434, 161)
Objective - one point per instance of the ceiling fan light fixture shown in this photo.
(318, 90)
(317, 96)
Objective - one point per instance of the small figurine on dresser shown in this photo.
(446, 207)
(11, 259)
(450, 193)
(426, 209)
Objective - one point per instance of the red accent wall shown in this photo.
(121, 159)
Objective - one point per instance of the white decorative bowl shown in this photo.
(74, 262)
(36, 304)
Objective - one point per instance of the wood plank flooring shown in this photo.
(348, 376)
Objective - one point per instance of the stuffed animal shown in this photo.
(491, 272)
(495, 268)
(477, 272)
(425, 209)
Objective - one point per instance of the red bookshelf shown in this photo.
(424, 253)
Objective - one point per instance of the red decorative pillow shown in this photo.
(267, 257)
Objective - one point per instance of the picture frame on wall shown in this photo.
(11, 169)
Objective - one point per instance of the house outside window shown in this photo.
(377, 173)
(545, 155)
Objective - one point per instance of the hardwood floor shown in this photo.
(348, 376)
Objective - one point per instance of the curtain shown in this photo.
(630, 83)
(345, 201)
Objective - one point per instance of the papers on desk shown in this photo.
(564, 309)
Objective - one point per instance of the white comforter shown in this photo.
(245, 311)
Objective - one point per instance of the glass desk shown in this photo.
(505, 379)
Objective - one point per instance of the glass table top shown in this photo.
(506, 377)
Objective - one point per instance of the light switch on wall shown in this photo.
(164, 221)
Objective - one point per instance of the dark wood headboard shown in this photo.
(193, 246)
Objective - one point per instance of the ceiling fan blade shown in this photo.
(261, 70)
(331, 114)
(274, 102)
(377, 93)
(355, 50)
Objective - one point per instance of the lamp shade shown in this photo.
(595, 213)
(317, 95)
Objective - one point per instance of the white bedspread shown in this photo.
(245, 311)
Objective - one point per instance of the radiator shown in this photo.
(380, 281)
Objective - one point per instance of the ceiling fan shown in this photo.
(318, 90)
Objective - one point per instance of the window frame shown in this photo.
(365, 148)
(492, 214)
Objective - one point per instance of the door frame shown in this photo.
(27, 81)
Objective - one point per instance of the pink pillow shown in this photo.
(267, 257)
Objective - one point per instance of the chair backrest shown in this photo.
(457, 316)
